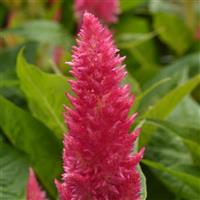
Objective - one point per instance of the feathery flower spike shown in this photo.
(106, 10)
(33, 191)
(98, 164)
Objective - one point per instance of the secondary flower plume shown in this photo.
(98, 160)
(106, 10)
(33, 191)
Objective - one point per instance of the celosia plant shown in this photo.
(98, 163)
(106, 10)
(33, 190)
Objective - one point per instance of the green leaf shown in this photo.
(177, 66)
(190, 136)
(42, 31)
(45, 93)
(186, 133)
(169, 148)
(156, 190)
(68, 18)
(9, 83)
(32, 137)
(138, 40)
(143, 184)
(176, 72)
(9, 86)
(187, 113)
(143, 194)
(165, 105)
(146, 92)
(126, 5)
(3, 13)
(173, 31)
(135, 87)
(194, 149)
(13, 173)
(188, 182)
(128, 40)
(164, 6)
(136, 43)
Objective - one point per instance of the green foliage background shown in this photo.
(161, 40)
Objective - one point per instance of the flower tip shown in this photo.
(133, 117)
(136, 113)
(141, 152)
(86, 14)
(57, 183)
(137, 131)
(33, 190)
(89, 18)
(69, 63)
(31, 173)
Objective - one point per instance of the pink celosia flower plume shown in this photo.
(33, 190)
(98, 164)
(106, 10)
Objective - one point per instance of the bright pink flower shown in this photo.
(33, 191)
(98, 163)
(106, 10)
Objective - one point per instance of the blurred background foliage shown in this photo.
(161, 41)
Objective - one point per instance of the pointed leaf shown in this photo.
(165, 105)
(50, 32)
(13, 173)
(187, 182)
(126, 5)
(190, 136)
(173, 31)
(33, 138)
(187, 113)
(45, 93)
